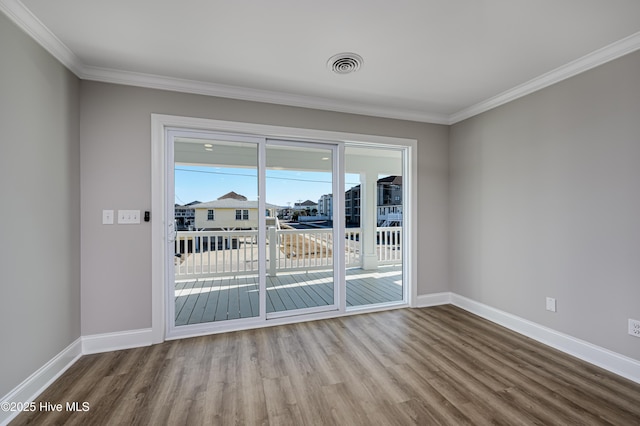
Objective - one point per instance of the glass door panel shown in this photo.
(216, 264)
(257, 233)
(374, 226)
(300, 233)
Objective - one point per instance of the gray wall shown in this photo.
(537, 198)
(545, 201)
(40, 214)
(116, 170)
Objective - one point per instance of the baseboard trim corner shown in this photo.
(34, 385)
(604, 358)
(433, 299)
(106, 342)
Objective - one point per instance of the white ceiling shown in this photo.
(428, 60)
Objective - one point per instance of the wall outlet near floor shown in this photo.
(634, 327)
(551, 304)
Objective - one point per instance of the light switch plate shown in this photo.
(107, 217)
(128, 217)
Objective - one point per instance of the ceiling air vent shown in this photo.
(344, 63)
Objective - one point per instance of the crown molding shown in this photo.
(601, 56)
(256, 95)
(29, 23)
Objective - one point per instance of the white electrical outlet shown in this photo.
(634, 327)
(551, 304)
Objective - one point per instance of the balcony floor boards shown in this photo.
(225, 298)
(429, 366)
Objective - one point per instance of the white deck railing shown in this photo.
(299, 249)
(201, 254)
(211, 253)
(389, 239)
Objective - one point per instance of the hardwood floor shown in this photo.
(427, 366)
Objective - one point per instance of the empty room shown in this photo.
(335, 213)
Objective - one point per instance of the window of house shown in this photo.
(210, 215)
(242, 214)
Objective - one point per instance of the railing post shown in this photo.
(368, 223)
(273, 247)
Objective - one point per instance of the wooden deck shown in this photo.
(225, 298)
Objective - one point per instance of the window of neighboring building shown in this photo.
(242, 214)
(211, 215)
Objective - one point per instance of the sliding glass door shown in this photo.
(216, 263)
(374, 227)
(262, 229)
(301, 274)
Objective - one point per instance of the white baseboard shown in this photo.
(619, 364)
(107, 342)
(435, 299)
(604, 358)
(33, 385)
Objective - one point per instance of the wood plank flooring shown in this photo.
(225, 298)
(430, 366)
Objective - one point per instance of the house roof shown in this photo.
(233, 195)
(232, 203)
(188, 205)
(394, 180)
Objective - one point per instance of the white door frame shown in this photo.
(160, 222)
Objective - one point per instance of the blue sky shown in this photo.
(283, 186)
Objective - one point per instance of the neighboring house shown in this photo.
(307, 206)
(284, 212)
(390, 191)
(352, 206)
(230, 212)
(185, 215)
(389, 202)
(325, 206)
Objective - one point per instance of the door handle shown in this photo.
(172, 233)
